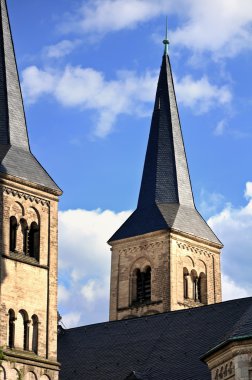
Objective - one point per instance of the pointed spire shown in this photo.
(165, 198)
(165, 176)
(12, 120)
(16, 158)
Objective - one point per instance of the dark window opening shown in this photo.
(185, 282)
(11, 329)
(196, 289)
(143, 288)
(33, 239)
(25, 235)
(13, 233)
(35, 334)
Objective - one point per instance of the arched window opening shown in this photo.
(139, 281)
(26, 323)
(12, 319)
(185, 282)
(202, 288)
(13, 233)
(147, 284)
(35, 324)
(142, 286)
(24, 228)
(195, 283)
(33, 239)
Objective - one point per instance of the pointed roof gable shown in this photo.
(165, 198)
(16, 158)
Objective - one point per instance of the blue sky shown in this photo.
(89, 72)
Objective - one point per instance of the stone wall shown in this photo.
(29, 286)
(168, 255)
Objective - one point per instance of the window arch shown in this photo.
(13, 233)
(11, 340)
(185, 282)
(35, 324)
(24, 333)
(33, 239)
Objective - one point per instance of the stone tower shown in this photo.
(165, 256)
(28, 237)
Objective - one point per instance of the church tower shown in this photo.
(164, 257)
(28, 237)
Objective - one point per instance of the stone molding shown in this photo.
(20, 194)
(191, 248)
(142, 247)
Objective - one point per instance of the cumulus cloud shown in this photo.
(200, 94)
(120, 14)
(233, 226)
(84, 264)
(129, 93)
(223, 27)
(61, 49)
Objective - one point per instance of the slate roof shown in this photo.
(165, 198)
(15, 155)
(165, 346)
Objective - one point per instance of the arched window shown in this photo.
(12, 319)
(24, 228)
(35, 324)
(185, 282)
(25, 329)
(142, 288)
(34, 241)
(139, 281)
(194, 278)
(147, 284)
(13, 233)
(202, 288)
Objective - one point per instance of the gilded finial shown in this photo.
(166, 41)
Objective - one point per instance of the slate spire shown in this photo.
(165, 199)
(15, 156)
(165, 176)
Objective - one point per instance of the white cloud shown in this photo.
(220, 128)
(129, 93)
(233, 226)
(61, 49)
(248, 190)
(37, 82)
(200, 94)
(71, 320)
(84, 264)
(223, 27)
(230, 289)
(120, 14)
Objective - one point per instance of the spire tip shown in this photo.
(166, 41)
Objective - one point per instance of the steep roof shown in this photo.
(166, 194)
(162, 346)
(16, 158)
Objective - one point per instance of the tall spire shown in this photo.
(12, 120)
(16, 158)
(165, 198)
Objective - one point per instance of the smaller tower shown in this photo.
(165, 256)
